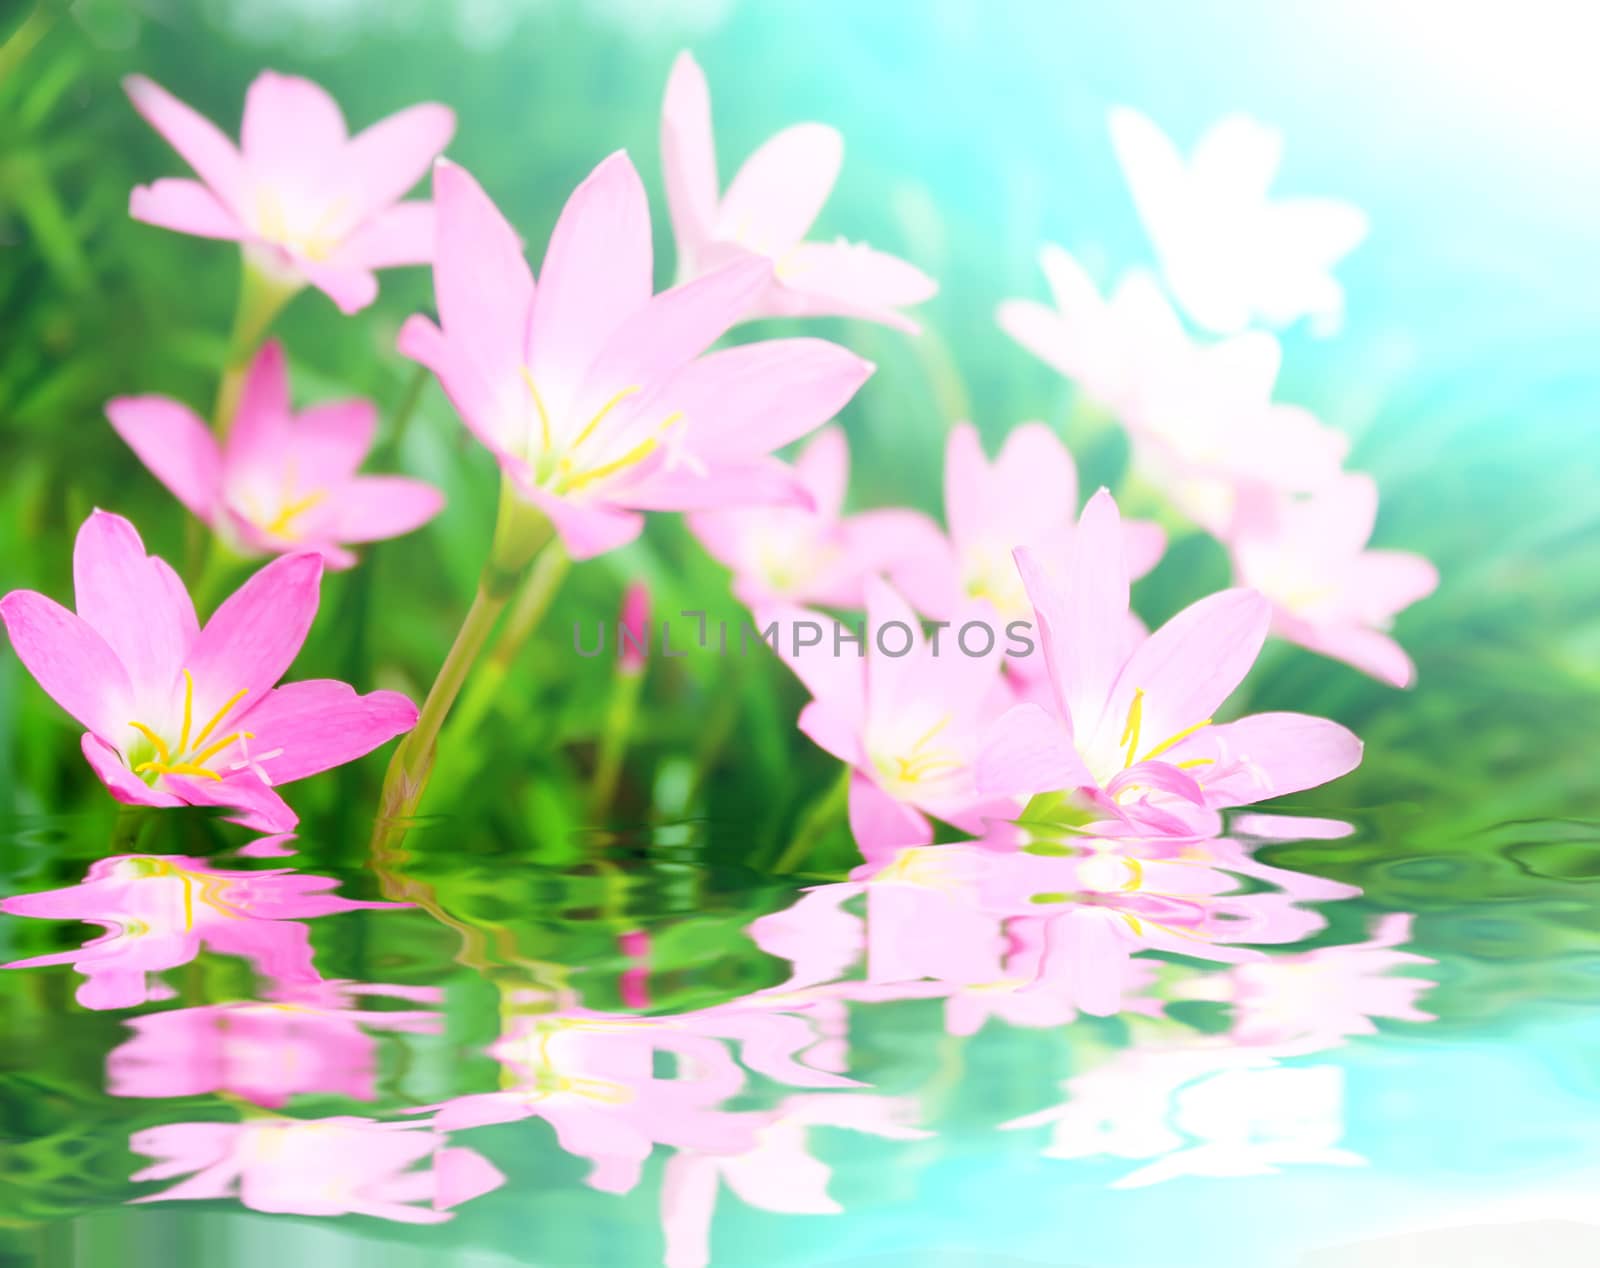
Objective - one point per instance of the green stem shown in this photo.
(521, 532)
(406, 409)
(823, 816)
(262, 295)
(614, 739)
(23, 40)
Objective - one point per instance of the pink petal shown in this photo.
(1089, 644)
(328, 442)
(459, 1175)
(835, 733)
(293, 133)
(255, 635)
(187, 207)
(70, 660)
(1371, 651)
(1191, 664)
(752, 482)
(481, 281)
(1027, 752)
(588, 531)
(1028, 495)
(319, 724)
(121, 782)
(758, 397)
(824, 469)
(350, 288)
(836, 682)
(670, 330)
(398, 235)
(1143, 544)
(382, 163)
(260, 434)
(596, 273)
(257, 807)
(136, 603)
(689, 158)
(775, 197)
(372, 508)
(880, 824)
(1388, 581)
(848, 279)
(202, 145)
(688, 1195)
(463, 382)
(175, 445)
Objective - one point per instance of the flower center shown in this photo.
(1128, 754)
(924, 762)
(314, 241)
(192, 750)
(591, 455)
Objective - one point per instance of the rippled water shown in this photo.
(538, 1065)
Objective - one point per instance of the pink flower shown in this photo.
(159, 911)
(1131, 729)
(1304, 1003)
(815, 554)
(633, 629)
(282, 481)
(1201, 417)
(594, 396)
(777, 1174)
(1027, 497)
(405, 1172)
(305, 1039)
(309, 203)
(1229, 254)
(907, 724)
(593, 1078)
(178, 714)
(1328, 591)
(767, 211)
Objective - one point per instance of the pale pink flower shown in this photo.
(816, 554)
(1131, 731)
(909, 725)
(767, 211)
(1318, 999)
(305, 1038)
(309, 202)
(159, 911)
(633, 629)
(406, 1172)
(1229, 253)
(1328, 591)
(282, 480)
(777, 1174)
(1028, 496)
(593, 1078)
(1201, 417)
(592, 394)
(179, 714)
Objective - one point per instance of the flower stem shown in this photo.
(614, 739)
(521, 532)
(824, 814)
(262, 295)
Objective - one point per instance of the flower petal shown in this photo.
(689, 158)
(175, 445)
(255, 635)
(293, 134)
(380, 164)
(70, 660)
(187, 207)
(775, 197)
(372, 508)
(319, 724)
(201, 143)
(1027, 752)
(398, 235)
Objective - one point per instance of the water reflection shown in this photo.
(1029, 928)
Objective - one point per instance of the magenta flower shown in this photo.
(306, 1038)
(594, 396)
(816, 554)
(405, 1172)
(178, 714)
(768, 210)
(309, 202)
(1131, 730)
(1328, 591)
(778, 1174)
(159, 911)
(633, 630)
(1027, 497)
(907, 717)
(281, 481)
(1229, 254)
(1201, 417)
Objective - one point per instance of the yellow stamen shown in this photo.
(1171, 740)
(188, 710)
(637, 454)
(200, 758)
(1192, 762)
(605, 409)
(221, 713)
(538, 403)
(279, 527)
(1130, 733)
(161, 745)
